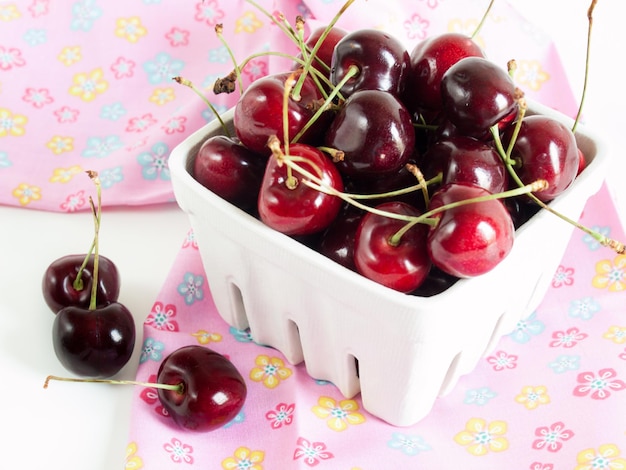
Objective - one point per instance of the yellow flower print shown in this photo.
(59, 144)
(70, 55)
(88, 85)
(161, 96)
(11, 124)
(605, 458)
(130, 29)
(611, 275)
(133, 462)
(204, 337)
(617, 334)
(247, 23)
(531, 397)
(26, 193)
(63, 175)
(530, 74)
(481, 437)
(338, 415)
(9, 12)
(244, 458)
(270, 371)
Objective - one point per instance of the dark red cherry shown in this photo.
(401, 266)
(476, 95)
(59, 288)
(288, 204)
(375, 132)
(337, 241)
(430, 59)
(94, 343)
(213, 390)
(324, 54)
(382, 60)
(230, 170)
(258, 114)
(546, 149)
(470, 239)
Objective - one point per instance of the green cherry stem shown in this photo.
(482, 21)
(96, 212)
(189, 84)
(78, 283)
(587, 55)
(173, 387)
(219, 28)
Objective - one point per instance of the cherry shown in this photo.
(374, 131)
(324, 52)
(258, 114)
(469, 239)
(61, 288)
(337, 241)
(476, 95)
(545, 149)
(212, 392)
(94, 343)
(382, 62)
(400, 264)
(430, 59)
(230, 170)
(287, 203)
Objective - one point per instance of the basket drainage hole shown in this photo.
(238, 309)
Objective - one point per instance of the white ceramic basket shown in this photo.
(399, 351)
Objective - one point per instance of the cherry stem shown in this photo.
(189, 84)
(218, 32)
(482, 21)
(173, 387)
(97, 212)
(588, 53)
(78, 283)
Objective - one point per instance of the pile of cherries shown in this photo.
(412, 168)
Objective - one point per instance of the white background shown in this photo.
(85, 426)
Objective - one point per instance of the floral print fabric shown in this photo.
(549, 396)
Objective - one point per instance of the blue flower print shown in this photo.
(591, 242)
(101, 147)
(208, 115)
(526, 329)
(111, 176)
(565, 363)
(35, 37)
(240, 418)
(219, 55)
(584, 308)
(409, 445)
(191, 288)
(112, 112)
(479, 396)
(83, 15)
(152, 350)
(4, 160)
(154, 163)
(163, 68)
(243, 336)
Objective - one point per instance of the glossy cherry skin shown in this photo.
(58, 282)
(213, 389)
(375, 132)
(337, 241)
(463, 159)
(476, 95)
(545, 149)
(382, 60)
(402, 267)
(94, 343)
(430, 59)
(471, 239)
(230, 170)
(299, 210)
(258, 114)
(324, 53)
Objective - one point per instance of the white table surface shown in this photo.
(72, 426)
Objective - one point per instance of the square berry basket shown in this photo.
(400, 352)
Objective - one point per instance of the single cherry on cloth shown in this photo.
(469, 239)
(381, 59)
(212, 392)
(61, 288)
(230, 170)
(287, 204)
(546, 149)
(94, 342)
(375, 132)
(400, 264)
